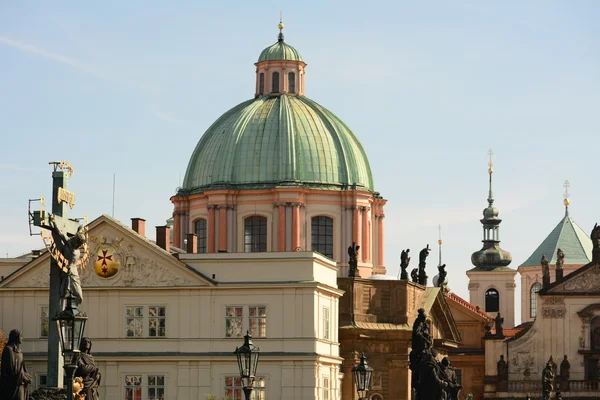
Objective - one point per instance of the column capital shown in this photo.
(211, 206)
(296, 204)
(222, 206)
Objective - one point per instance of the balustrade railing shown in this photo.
(536, 386)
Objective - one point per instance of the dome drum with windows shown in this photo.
(286, 159)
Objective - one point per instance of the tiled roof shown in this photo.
(457, 299)
(280, 51)
(570, 238)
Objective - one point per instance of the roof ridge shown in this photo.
(459, 300)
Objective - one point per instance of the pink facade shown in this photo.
(287, 216)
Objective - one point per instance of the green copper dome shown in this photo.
(277, 140)
(280, 51)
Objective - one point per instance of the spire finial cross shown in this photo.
(490, 153)
(566, 185)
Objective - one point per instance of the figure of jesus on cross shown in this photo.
(67, 245)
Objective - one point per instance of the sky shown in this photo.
(127, 89)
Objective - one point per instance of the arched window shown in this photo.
(536, 287)
(275, 82)
(255, 234)
(595, 333)
(322, 235)
(200, 230)
(492, 301)
(292, 82)
(261, 83)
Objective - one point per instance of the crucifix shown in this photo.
(66, 243)
(567, 185)
(490, 153)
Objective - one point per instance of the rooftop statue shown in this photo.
(560, 259)
(353, 260)
(545, 271)
(404, 261)
(442, 275)
(595, 236)
(498, 322)
(422, 264)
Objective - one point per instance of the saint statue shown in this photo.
(353, 260)
(449, 376)
(70, 283)
(14, 377)
(88, 371)
(422, 257)
(404, 261)
(553, 365)
(432, 383)
(442, 275)
(502, 369)
(420, 343)
(565, 373)
(498, 322)
(547, 381)
(414, 275)
(595, 236)
(560, 259)
(545, 271)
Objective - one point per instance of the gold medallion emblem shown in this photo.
(107, 261)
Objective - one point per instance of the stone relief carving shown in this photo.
(40, 278)
(554, 312)
(473, 286)
(554, 300)
(587, 281)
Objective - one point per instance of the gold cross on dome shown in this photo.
(566, 185)
(490, 153)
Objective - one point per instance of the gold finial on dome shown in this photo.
(566, 201)
(280, 26)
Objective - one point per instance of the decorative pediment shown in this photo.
(118, 257)
(586, 280)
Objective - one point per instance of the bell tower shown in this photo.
(492, 281)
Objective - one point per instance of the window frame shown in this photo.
(326, 387)
(328, 224)
(144, 385)
(252, 223)
(258, 393)
(275, 82)
(245, 318)
(491, 290)
(261, 83)
(145, 321)
(533, 299)
(45, 323)
(291, 82)
(326, 323)
(202, 240)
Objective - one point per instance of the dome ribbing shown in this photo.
(277, 140)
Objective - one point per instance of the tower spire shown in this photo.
(566, 201)
(280, 26)
(440, 244)
(490, 172)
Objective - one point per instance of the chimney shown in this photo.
(139, 226)
(163, 237)
(192, 243)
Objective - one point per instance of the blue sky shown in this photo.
(427, 87)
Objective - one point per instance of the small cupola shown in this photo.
(279, 69)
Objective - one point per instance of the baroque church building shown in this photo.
(275, 191)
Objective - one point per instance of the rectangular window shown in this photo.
(156, 387)
(326, 324)
(234, 319)
(42, 380)
(234, 388)
(257, 321)
(326, 388)
(133, 387)
(143, 321)
(44, 322)
(134, 321)
(157, 322)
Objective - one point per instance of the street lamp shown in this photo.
(362, 376)
(71, 325)
(247, 358)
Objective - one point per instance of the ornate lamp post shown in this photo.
(247, 358)
(362, 376)
(71, 325)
